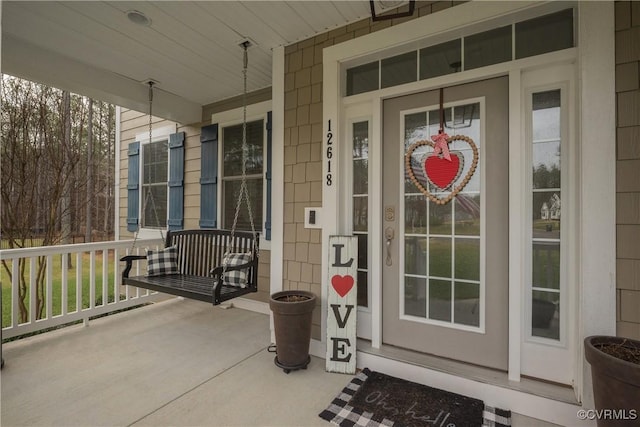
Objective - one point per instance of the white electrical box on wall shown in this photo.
(312, 217)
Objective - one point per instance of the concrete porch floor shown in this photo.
(175, 363)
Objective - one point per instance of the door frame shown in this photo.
(595, 124)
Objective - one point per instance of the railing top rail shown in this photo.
(8, 254)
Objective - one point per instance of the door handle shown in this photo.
(388, 235)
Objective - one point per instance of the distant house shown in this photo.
(551, 210)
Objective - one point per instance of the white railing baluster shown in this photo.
(33, 292)
(92, 279)
(64, 295)
(15, 292)
(49, 287)
(105, 277)
(78, 282)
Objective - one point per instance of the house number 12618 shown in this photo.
(329, 154)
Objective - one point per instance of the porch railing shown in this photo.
(56, 285)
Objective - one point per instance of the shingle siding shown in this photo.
(628, 163)
(303, 147)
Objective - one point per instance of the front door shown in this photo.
(445, 265)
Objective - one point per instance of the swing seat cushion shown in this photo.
(162, 262)
(236, 278)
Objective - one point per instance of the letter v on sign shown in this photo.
(342, 297)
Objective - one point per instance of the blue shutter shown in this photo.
(133, 187)
(267, 223)
(176, 181)
(209, 176)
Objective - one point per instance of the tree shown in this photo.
(44, 154)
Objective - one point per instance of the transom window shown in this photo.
(532, 37)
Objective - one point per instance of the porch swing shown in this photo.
(210, 265)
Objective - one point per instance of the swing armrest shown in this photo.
(217, 272)
(129, 260)
(218, 278)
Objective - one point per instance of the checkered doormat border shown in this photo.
(342, 414)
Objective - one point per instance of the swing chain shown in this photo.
(148, 194)
(244, 190)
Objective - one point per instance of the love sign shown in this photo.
(342, 300)
(440, 168)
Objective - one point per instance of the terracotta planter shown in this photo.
(616, 382)
(292, 312)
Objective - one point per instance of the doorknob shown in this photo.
(388, 235)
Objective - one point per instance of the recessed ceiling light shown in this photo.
(138, 18)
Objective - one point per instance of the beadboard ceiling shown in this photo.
(191, 48)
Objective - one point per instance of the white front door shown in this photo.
(445, 266)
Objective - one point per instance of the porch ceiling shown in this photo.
(191, 48)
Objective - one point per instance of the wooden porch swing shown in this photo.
(204, 264)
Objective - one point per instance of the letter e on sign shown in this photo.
(342, 303)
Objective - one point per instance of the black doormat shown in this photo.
(375, 399)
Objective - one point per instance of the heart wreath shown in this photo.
(441, 167)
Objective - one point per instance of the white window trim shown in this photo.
(157, 134)
(257, 111)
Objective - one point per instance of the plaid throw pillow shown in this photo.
(162, 262)
(239, 277)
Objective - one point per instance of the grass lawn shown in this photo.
(57, 285)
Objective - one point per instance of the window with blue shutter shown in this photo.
(175, 221)
(133, 187)
(209, 176)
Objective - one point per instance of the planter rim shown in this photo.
(608, 363)
(276, 295)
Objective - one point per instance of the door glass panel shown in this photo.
(415, 215)
(415, 255)
(440, 300)
(439, 219)
(360, 198)
(440, 257)
(467, 214)
(546, 197)
(545, 314)
(467, 304)
(415, 296)
(467, 264)
(546, 265)
(442, 241)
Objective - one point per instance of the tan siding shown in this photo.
(628, 167)
(303, 148)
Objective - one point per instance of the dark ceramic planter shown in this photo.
(616, 383)
(292, 324)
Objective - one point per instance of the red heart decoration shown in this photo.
(442, 172)
(342, 284)
(416, 170)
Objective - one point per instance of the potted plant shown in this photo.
(615, 369)
(292, 311)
